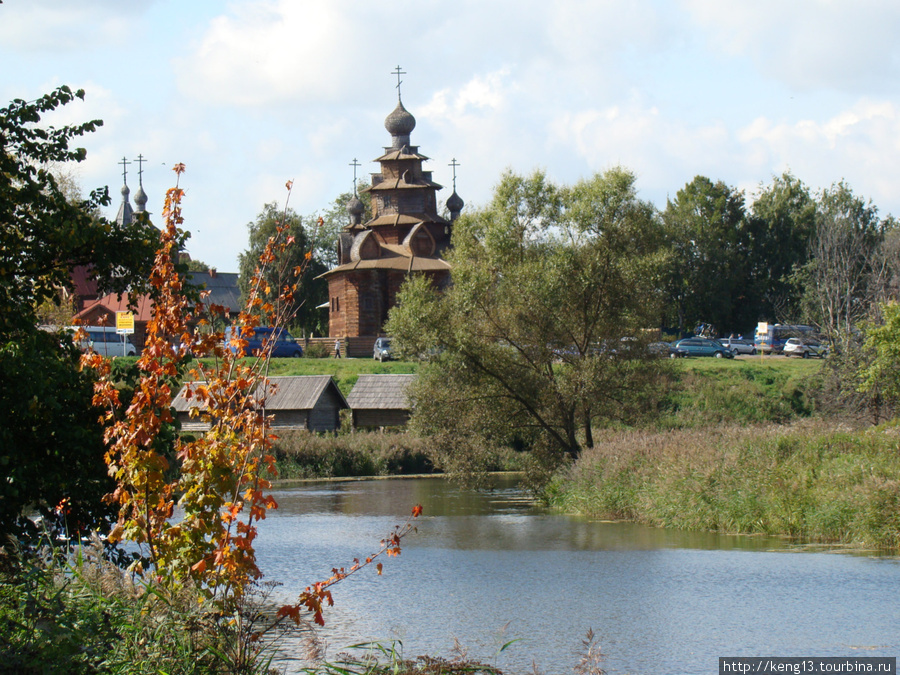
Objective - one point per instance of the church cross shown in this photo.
(398, 73)
(140, 160)
(454, 164)
(124, 164)
(354, 164)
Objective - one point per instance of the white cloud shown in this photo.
(49, 25)
(847, 46)
(266, 52)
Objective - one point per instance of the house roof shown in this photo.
(222, 286)
(112, 303)
(380, 392)
(297, 392)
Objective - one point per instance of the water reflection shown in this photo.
(661, 601)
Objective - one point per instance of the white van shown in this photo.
(105, 341)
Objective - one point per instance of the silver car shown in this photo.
(740, 345)
(382, 351)
(804, 347)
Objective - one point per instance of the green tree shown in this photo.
(842, 279)
(706, 233)
(306, 318)
(329, 224)
(526, 343)
(879, 374)
(50, 441)
(781, 223)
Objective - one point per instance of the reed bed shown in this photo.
(811, 480)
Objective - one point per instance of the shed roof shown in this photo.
(296, 392)
(380, 392)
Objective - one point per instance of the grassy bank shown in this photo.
(748, 390)
(808, 480)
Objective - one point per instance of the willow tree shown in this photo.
(540, 337)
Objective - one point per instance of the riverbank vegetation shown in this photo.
(815, 481)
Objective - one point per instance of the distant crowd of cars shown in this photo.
(728, 348)
(108, 342)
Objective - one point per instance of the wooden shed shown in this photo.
(311, 402)
(380, 400)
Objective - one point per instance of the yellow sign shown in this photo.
(124, 323)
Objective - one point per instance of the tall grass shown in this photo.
(300, 454)
(810, 480)
(82, 614)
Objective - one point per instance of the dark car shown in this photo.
(284, 344)
(697, 346)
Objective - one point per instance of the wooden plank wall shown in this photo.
(354, 347)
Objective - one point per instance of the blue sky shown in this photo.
(251, 93)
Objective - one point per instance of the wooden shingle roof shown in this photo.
(298, 392)
(380, 392)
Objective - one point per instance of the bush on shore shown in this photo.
(83, 614)
(809, 480)
(300, 454)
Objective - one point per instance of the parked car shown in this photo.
(382, 350)
(284, 344)
(804, 347)
(740, 345)
(697, 346)
(659, 348)
(105, 340)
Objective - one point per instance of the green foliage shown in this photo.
(44, 235)
(301, 454)
(330, 223)
(880, 375)
(842, 277)
(781, 223)
(304, 315)
(524, 347)
(707, 392)
(706, 232)
(51, 445)
(87, 616)
(50, 442)
(813, 482)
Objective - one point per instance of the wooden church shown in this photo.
(406, 235)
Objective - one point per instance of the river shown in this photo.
(487, 568)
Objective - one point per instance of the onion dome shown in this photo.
(399, 125)
(455, 205)
(140, 199)
(356, 209)
(125, 210)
